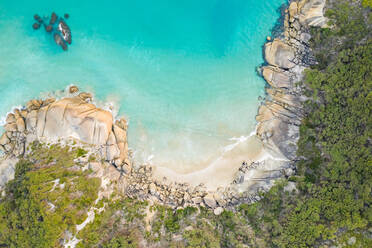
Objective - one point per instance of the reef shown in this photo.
(57, 27)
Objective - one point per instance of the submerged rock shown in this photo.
(49, 28)
(53, 19)
(38, 18)
(57, 27)
(60, 42)
(36, 26)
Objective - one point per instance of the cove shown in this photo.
(182, 72)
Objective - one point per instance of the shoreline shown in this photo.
(274, 141)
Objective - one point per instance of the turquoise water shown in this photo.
(183, 72)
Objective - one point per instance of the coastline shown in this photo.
(287, 57)
(277, 132)
(278, 118)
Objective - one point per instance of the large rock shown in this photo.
(10, 118)
(120, 134)
(112, 150)
(10, 127)
(4, 139)
(279, 54)
(276, 77)
(73, 117)
(293, 11)
(21, 126)
(31, 120)
(210, 201)
(7, 168)
(283, 135)
(312, 13)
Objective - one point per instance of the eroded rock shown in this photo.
(279, 54)
(312, 13)
(210, 201)
(276, 77)
(67, 118)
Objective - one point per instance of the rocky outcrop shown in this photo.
(7, 168)
(311, 12)
(57, 26)
(73, 117)
(279, 54)
(287, 57)
(140, 184)
(70, 117)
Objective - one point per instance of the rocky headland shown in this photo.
(74, 121)
(287, 57)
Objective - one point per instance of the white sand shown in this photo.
(221, 171)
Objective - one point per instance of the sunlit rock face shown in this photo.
(70, 117)
(77, 118)
(312, 13)
(279, 54)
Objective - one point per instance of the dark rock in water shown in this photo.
(53, 19)
(49, 28)
(73, 89)
(57, 27)
(65, 30)
(38, 18)
(58, 39)
(36, 25)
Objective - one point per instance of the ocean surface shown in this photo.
(184, 73)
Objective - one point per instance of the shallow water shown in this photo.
(182, 72)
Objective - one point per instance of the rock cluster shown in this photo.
(287, 57)
(140, 184)
(71, 117)
(56, 26)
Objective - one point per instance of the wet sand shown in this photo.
(220, 172)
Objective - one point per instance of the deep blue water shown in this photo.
(183, 72)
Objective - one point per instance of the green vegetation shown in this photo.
(123, 223)
(367, 3)
(47, 197)
(80, 152)
(334, 172)
(349, 26)
(119, 225)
